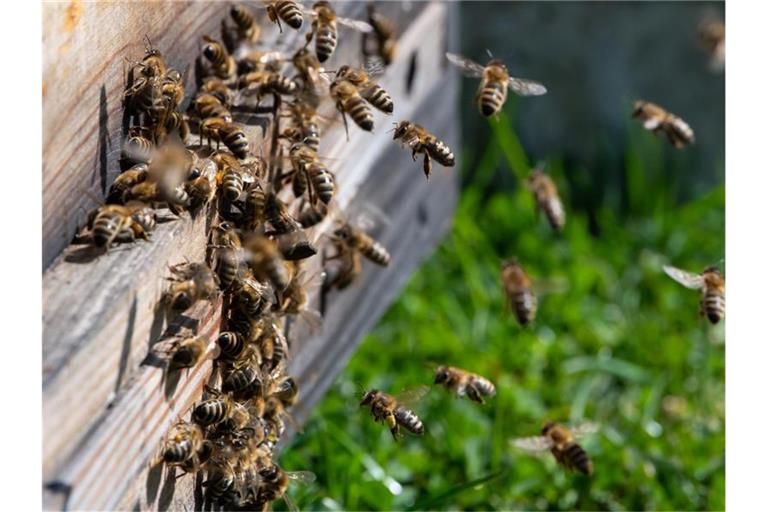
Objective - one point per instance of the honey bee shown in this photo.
(233, 136)
(562, 443)
(276, 213)
(114, 223)
(145, 96)
(217, 60)
(260, 61)
(172, 89)
(220, 408)
(547, 199)
(207, 105)
(245, 374)
(266, 262)
(273, 346)
(183, 444)
(191, 282)
(712, 286)
(369, 90)
(259, 83)
(295, 298)
(311, 171)
(349, 101)
(274, 483)
(245, 23)
(464, 383)
(312, 215)
(324, 29)
(309, 73)
(251, 297)
(383, 36)
(125, 181)
(286, 390)
(306, 128)
(421, 141)
(202, 187)
(255, 207)
(394, 411)
(216, 87)
(176, 122)
(137, 149)
(350, 268)
(711, 36)
(153, 63)
(519, 291)
(231, 344)
(222, 476)
(495, 83)
(357, 240)
(288, 11)
(187, 352)
(656, 119)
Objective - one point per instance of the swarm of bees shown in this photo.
(200, 158)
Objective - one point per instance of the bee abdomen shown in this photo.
(379, 98)
(322, 180)
(239, 379)
(218, 485)
(376, 253)
(210, 412)
(325, 43)
(282, 84)
(138, 150)
(359, 112)
(553, 208)
(578, 459)
(491, 99)
(525, 306)
(312, 216)
(714, 306)
(442, 153)
(105, 228)
(232, 183)
(234, 138)
(409, 420)
(312, 136)
(290, 13)
(178, 452)
(485, 386)
(231, 344)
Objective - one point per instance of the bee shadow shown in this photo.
(84, 255)
(154, 475)
(169, 488)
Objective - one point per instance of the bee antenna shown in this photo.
(489, 53)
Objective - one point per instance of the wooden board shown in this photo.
(100, 317)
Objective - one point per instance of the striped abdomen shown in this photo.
(239, 379)
(713, 305)
(409, 420)
(290, 13)
(232, 184)
(491, 97)
(299, 181)
(227, 267)
(234, 138)
(281, 84)
(322, 182)
(312, 215)
(231, 344)
(574, 457)
(379, 98)
(373, 250)
(325, 40)
(210, 412)
(216, 54)
(524, 305)
(219, 484)
(106, 227)
(478, 387)
(178, 452)
(146, 218)
(255, 205)
(138, 149)
(358, 110)
(554, 211)
(440, 151)
(177, 123)
(311, 132)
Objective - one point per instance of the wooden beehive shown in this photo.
(107, 400)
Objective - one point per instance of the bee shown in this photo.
(231, 344)
(356, 239)
(286, 10)
(183, 444)
(286, 390)
(369, 90)
(251, 297)
(276, 213)
(711, 36)
(547, 199)
(324, 29)
(137, 149)
(273, 482)
(272, 345)
(113, 223)
(176, 122)
(349, 101)
(245, 373)
(462, 382)
(295, 298)
(221, 408)
(125, 181)
(305, 127)
(245, 23)
(202, 187)
(172, 89)
(233, 136)
(260, 61)
(207, 105)
(145, 96)
(309, 73)
(308, 167)
(495, 83)
(562, 443)
(350, 268)
(266, 261)
(259, 83)
(191, 282)
(216, 87)
(143, 215)
(187, 352)
(255, 206)
(153, 63)
(656, 119)
(222, 477)
(218, 61)
(393, 410)
(421, 141)
(712, 286)
(519, 291)
(383, 36)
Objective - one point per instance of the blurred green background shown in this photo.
(616, 342)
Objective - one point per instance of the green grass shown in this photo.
(616, 342)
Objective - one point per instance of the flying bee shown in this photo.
(137, 149)
(219, 409)
(216, 60)
(369, 90)
(547, 199)
(187, 352)
(245, 23)
(288, 11)
(183, 444)
(421, 141)
(191, 282)
(295, 298)
(656, 119)
(349, 101)
(325, 31)
(464, 383)
(210, 105)
(276, 213)
(383, 36)
(112, 223)
(711, 37)
(266, 261)
(495, 83)
(125, 181)
(712, 286)
(519, 291)
(561, 441)
(358, 240)
(351, 267)
(394, 411)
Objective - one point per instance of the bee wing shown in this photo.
(652, 123)
(374, 68)
(525, 87)
(410, 397)
(584, 429)
(301, 476)
(467, 66)
(687, 279)
(533, 444)
(290, 505)
(358, 25)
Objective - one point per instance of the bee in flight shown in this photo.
(394, 410)
(656, 119)
(519, 290)
(547, 199)
(421, 141)
(464, 383)
(325, 31)
(561, 441)
(712, 286)
(495, 83)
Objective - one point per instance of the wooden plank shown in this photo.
(67, 374)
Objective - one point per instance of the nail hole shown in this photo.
(410, 77)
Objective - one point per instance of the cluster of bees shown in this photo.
(200, 158)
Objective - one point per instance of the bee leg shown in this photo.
(474, 394)
(427, 165)
(344, 118)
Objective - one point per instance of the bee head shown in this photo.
(368, 397)
(638, 107)
(548, 426)
(441, 374)
(511, 262)
(182, 300)
(400, 129)
(498, 63)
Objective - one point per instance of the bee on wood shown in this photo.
(421, 141)
(547, 199)
(187, 352)
(561, 441)
(209, 105)
(176, 122)
(656, 119)
(464, 383)
(245, 374)
(519, 290)
(216, 59)
(220, 408)
(145, 96)
(153, 63)
(221, 482)
(191, 282)
(262, 82)
(288, 11)
(394, 411)
(216, 87)
(255, 207)
(312, 173)
(372, 92)
(495, 83)
(172, 88)
(383, 37)
(184, 443)
(251, 296)
(113, 223)
(305, 125)
(125, 181)
(325, 30)
(245, 23)
(137, 149)
(202, 186)
(271, 61)
(712, 286)
(349, 101)
(231, 344)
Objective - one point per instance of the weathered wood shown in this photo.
(100, 318)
